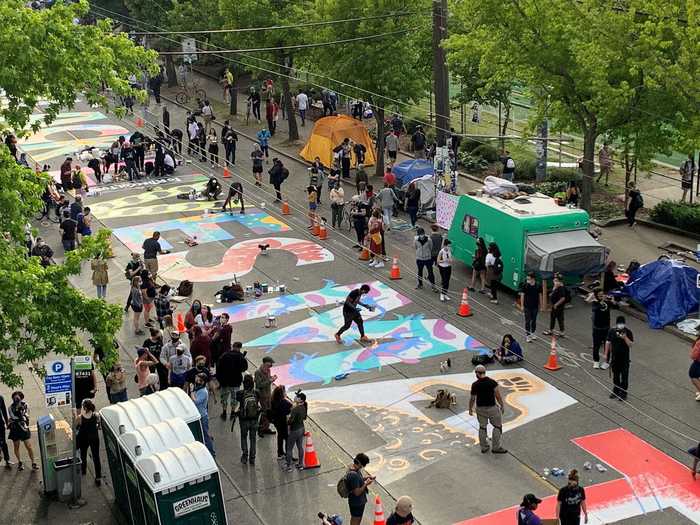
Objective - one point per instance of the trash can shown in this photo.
(64, 478)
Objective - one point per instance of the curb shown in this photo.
(651, 224)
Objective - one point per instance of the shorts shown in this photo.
(151, 265)
(694, 371)
(257, 169)
(312, 206)
(357, 511)
(18, 433)
(392, 154)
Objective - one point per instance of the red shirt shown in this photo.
(389, 178)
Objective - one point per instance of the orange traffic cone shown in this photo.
(227, 173)
(552, 362)
(310, 456)
(378, 512)
(364, 254)
(139, 122)
(315, 228)
(285, 208)
(322, 230)
(180, 324)
(395, 270)
(464, 309)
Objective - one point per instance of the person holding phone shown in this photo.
(358, 484)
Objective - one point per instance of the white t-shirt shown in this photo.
(445, 258)
(169, 161)
(193, 130)
(490, 259)
(206, 110)
(179, 364)
(302, 101)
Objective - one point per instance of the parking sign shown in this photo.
(57, 383)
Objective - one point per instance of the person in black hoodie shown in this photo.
(279, 410)
(229, 372)
(278, 173)
(4, 422)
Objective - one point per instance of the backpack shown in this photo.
(285, 173)
(249, 406)
(483, 359)
(230, 293)
(185, 288)
(498, 266)
(343, 487)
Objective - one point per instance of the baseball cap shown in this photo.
(531, 499)
(268, 359)
(174, 333)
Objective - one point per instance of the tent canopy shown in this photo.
(329, 132)
(572, 253)
(409, 170)
(667, 289)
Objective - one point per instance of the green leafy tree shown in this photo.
(46, 56)
(586, 63)
(382, 71)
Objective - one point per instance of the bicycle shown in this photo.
(190, 91)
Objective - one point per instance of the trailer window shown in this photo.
(470, 226)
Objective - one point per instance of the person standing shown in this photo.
(600, 315)
(151, 248)
(135, 302)
(617, 353)
(4, 423)
(263, 386)
(494, 270)
(346, 158)
(116, 384)
(143, 363)
(557, 300)
(508, 167)
(412, 203)
(376, 240)
(418, 141)
(162, 306)
(166, 121)
(302, 104)
(295, 437)
(361, 179)
(571, 501)
(337, 197)
(530, 301)
(279, 410)
(230, 139)
(213, 140)
(526, 512)
(263, 137)
(635, 202)
(694, 371)
(200, 396)
(605, 162)
(391, 141)
(270, 115)
(444, 265)
(687, 171)
(207, 115)
(479, 265)
(436, 239)
(248, 415)
(18, 426)
(387, 200)
(229, 372)
(278, 174)
(424, 258)
(68, 228)
(486, 396)
(358, 484)
(88, 437)
(178, 365)
(352, 314)
(257, 157)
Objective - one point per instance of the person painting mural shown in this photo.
(352, 314)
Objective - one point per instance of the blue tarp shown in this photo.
(667, 289)
(409, 170)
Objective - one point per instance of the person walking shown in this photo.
(278, 174)
(361, 179)
(600, 316)
(135, 302)
(387, 201)
(634, 203)
(257, 157)
(557, 300)
(18, 426)
(486, 396)
(357, 483)
(248, 415)
(444, 265)
(412, 203)
(571, 501)
(351, 314)
(263, 137)
(254, 100)
(148, 293)
(164, 310)
(494, 270)
(302, 104)
(526, 512)
(229, 137)
(418, 141)
(69, 229)
(88, 437)
(424, 258)
(337, 197)
(263, 386)
(605, 161)
(617, 353)
(4, 423)
(280, 408)
(694, 371)
(116, 384)
(530, 301)
(151, 249)
(178, 365)
(687, 171)
(296, 418)
(200, 396)
(229, 372)
(207, 115)
(479, 265)
(391, 141)
(100, 275)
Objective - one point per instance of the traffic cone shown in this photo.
(552, 362)
(379, 512)
(285, 208)
(139, 122)
(227, 173)
(322, 230)
(364, 254)
(315, 229)
(180, 324)
(464, 309)
(395, 270)
(310, 456)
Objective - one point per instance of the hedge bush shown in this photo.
(472, 163)
(487, 152)
(525, 170)
(679, 214)
(469, 145)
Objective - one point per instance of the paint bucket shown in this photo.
(271, 322)
(248, 290)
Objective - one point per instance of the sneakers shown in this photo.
(443, 298)
(604, 366)
(447, 298)
(494, 301)
(300, 467)
(380, 264)
(528, 338)
(596, 364)
(499, 451)
(547, 332)
(697, 398)
(533, 337)
(281, 457)
(244, 459)
(289, 468)
(372, 264)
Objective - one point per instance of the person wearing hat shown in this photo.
(402, 513)
(526, 512)
(486, 395)
(263, 386)
(571, 500)
(295, 436)
(617, 353)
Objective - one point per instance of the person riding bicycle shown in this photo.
(213, 189)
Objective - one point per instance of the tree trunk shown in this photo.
(504, 124)
(590, 134)
(630, 163)
(172, 73)
(286, 65)
(379, 117)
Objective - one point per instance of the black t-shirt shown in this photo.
(557, 295)
(355, 481)
(601, 315)
(151, 248)
(619, 348)
(485, 391)
(570, 499)
(531, 295)
(68, 226)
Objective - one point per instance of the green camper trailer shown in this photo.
(533, 232)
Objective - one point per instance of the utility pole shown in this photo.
(440, 77)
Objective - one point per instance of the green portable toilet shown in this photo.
(181, 486)
(142, 442)
(137, 413)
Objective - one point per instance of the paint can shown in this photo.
(271, 322)
(248, 290)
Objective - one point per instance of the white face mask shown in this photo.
(620, 326)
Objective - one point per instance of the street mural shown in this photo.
(240, 258)
(201, 228)
(651, 481)
(417, 435)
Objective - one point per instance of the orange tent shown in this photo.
(330, 132)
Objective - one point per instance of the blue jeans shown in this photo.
(207, 438)
(101, 291)
(413, 214)
(118, 397)
(68, 246)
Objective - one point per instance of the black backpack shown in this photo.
(249, 405)
(498, 266)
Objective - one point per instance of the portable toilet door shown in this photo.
(182, 486)
(141, 443)
(141, 412)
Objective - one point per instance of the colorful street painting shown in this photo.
(201, 228)
(417, 435)
(240, 258)
(330, 295)
(146, 203)
(651, 481)
(433, 338)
